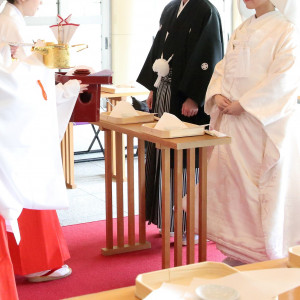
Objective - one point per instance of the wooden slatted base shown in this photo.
(132, 245)
(126, 248)
(165, 145)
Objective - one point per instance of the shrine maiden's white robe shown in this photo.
(31, 127)
(31, 174)
(253, 183)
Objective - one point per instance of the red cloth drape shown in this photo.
(8, 290)
(42, 245)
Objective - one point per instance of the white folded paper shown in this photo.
(215, 133)
(169, 122)
(123, 109)
(64, 29)
(167, 291)
(105, 72)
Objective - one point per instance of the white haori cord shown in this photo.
(162, 68)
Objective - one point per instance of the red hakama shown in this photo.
(8, 290)
(42, 245)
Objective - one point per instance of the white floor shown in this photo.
(87, 200)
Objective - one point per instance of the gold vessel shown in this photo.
(58, 56)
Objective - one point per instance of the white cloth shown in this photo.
(66, 96)
(31, 174)
(253, 188)
(290, 8)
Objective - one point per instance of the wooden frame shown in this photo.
(165, 145)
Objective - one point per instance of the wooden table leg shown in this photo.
(178, 207)
(202, 204)
(67, 154)
(109, 107)
(119, 184)
(108, 191)
(190, 232)
(165, 198)
(142, 192)
(130, 191)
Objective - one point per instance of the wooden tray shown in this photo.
(121, 89)
(294, 257)
(192, 130)
(148, 282)
(142, 118)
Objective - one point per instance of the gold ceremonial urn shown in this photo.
(58, 56)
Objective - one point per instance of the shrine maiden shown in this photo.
(253, 184)
(34, 114)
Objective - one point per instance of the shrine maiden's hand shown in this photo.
(13, 51)
(234, 108)
(149, 100)
(83, 87)
(221, 101)
(189, 108)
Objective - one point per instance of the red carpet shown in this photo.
(93, 272)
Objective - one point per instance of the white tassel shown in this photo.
(157, 82)
(161, 67)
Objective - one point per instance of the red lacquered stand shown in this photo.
(87, 107)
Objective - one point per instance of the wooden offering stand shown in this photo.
(87, 107)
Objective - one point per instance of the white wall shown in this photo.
(134, 23)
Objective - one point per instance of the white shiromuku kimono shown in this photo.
(31, 127)
(253, 184)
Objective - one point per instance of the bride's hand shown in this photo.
(221, 101)
(235, 108)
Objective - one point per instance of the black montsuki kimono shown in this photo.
(196, 43)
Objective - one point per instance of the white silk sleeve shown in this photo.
(66, 96)
(214, 87)
(275, 96)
